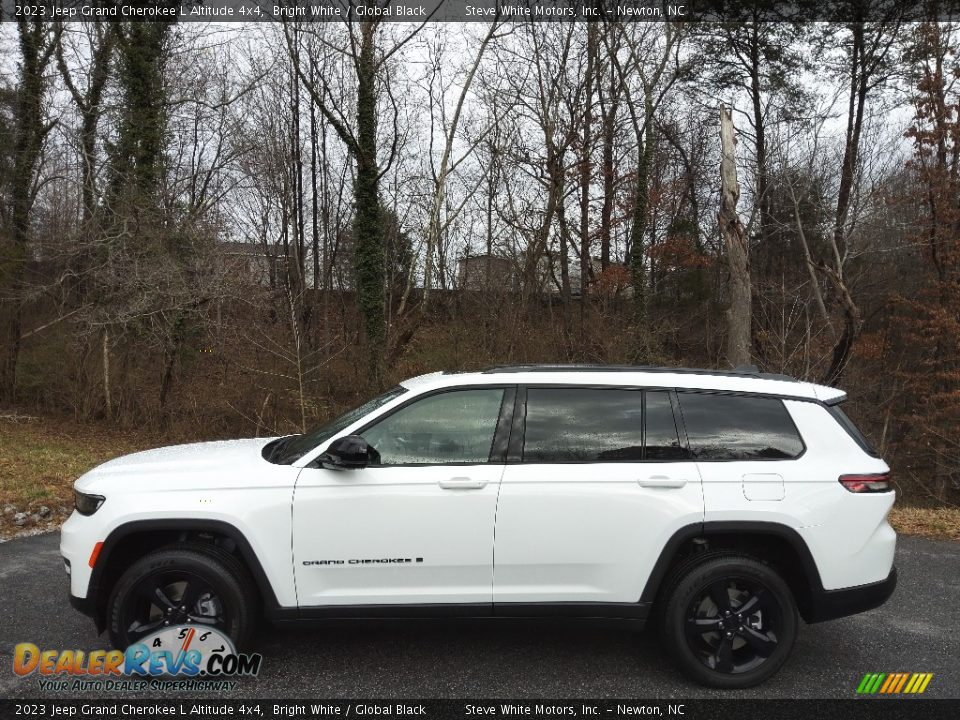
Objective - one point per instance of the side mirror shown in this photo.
(350, 452)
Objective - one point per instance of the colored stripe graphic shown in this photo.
(894, 683)
(903, 681)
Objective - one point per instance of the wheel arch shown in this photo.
(132, 540)
(778, 544)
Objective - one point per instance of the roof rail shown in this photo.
(739, 371)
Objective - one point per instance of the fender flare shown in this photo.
(219, 527)
(735, 527)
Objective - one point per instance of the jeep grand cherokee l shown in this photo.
(721, 506)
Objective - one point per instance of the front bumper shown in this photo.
(832, 604)
(84, 605)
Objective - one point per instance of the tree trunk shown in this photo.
(107, 401)
(852, 320)
(585, 167)
(759, 126)
(734, 238)
(606, 212)
(368, 222)
(29, 130)
(641, 201)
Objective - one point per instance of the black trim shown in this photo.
(635, 611)
(832, 604)
(680, 423)
(501, 436)
(203, 525)
(515, 453)
(84, 605)
(369, 612)
(850, 427)
(631, 611)
(681, 440)
(709, 529)
(819, 606)
(741, 371)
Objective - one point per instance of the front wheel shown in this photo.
(181, 585)
(730, 621)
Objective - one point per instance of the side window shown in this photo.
(852, 430)
(452, 427)
(583, 425)
(733, 427)
(662, 441)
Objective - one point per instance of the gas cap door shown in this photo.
(763, 486)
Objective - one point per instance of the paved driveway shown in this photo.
(918, 630)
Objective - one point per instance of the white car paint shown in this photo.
(509, 532)
(588, 533)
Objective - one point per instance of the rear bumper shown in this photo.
(832, 604)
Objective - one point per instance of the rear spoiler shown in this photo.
(828, 395)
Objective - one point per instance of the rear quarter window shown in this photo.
(852, 430)
(739, 427)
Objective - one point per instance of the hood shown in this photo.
(223, 462)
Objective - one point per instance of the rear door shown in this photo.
(598, 480)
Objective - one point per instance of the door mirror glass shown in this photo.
(350, 452)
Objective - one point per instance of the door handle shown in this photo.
(462, 483)
(662, 481)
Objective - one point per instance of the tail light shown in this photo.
(873, 483)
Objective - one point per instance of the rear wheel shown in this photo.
(730, 621)
(181, 585)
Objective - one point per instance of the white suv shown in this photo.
(723, 505)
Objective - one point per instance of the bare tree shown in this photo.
(37, 42)
(735, 238)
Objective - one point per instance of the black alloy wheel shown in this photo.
(728, 620)
(733, 625)
(187, 584)
(171, 598)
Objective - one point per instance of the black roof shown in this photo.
(739, 371)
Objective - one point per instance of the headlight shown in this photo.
(87, 504)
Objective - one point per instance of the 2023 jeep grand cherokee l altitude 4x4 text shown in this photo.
(721, 506)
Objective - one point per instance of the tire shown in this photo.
(213, 579)
(728, 621)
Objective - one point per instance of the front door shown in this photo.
(585, 512)
(416, 526)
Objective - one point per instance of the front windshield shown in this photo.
(291, 449)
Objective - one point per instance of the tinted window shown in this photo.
(453, 427)
(730, 427)
(290, 449)
(583, 425)
(852, 430)
(662, 441)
